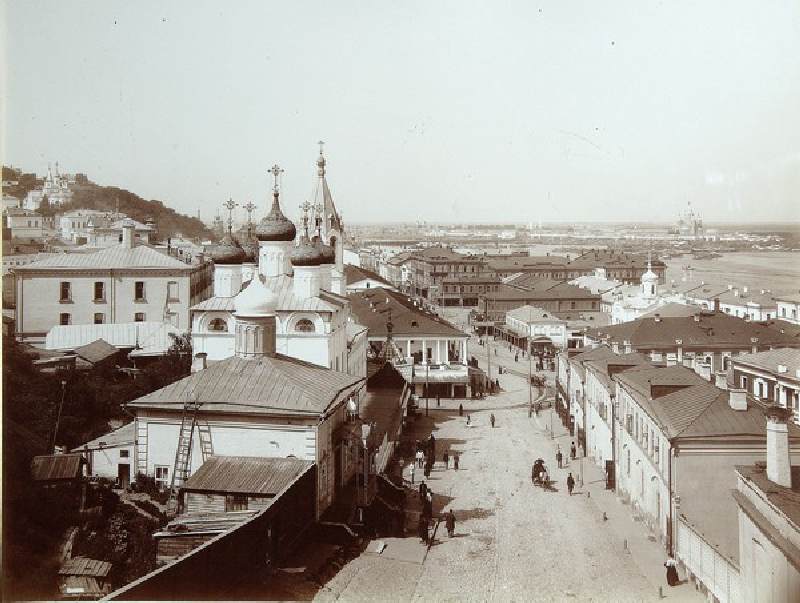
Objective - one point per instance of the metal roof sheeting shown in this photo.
(56, 467)
(269, 384)
(111, 258)
(246, 475)
(83, 566)
(97, 351)
(153, 338)
(770, 360)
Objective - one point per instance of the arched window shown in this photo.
(218, 324)
(304, 326)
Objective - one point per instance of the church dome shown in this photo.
(255, 300)
(307, 253)
(275, 226)
(227, 251)
(249, 244)
(327, 254)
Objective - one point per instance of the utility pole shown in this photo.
(488, 351)
(427, 369)
(58, 417)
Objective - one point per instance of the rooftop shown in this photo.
(787, 500)
(355, 274)
(147, 338)
(530, 314)
(96, 351)
(371, 308)
(267, 385)
(245, 475)
(121, 436)
(83, 566)
(772, 359)
(116, 258)
(52, 467)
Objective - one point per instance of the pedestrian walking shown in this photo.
(438, 400)
(460, 410)
(420, 458)
(491, 419)
(573, 452)
(432, 448)
(455, 461)
(411, 469)
(468, 419)
(446, 459)
(516, 357)
(450, 523)
(570, 484)
(423, 490)
(422, 529)
(672, 572)
(427, 469)
(559, 457)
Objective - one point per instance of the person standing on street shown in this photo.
(427, 470)
(491, 419)
(573, 452)
(559, 457)
(412, 468)
(422, 529)
(468, 420)
(423, 490)
(438, 400)
(446, 459)
(460, 410)
(420, 458)
(570, 484)
(455, 461)
(450, 523)
(672, 572)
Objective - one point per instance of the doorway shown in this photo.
(124, 475)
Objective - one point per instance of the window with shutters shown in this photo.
(66, 291)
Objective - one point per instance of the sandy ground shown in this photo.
(514, 541)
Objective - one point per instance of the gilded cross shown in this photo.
(249, 207)
(230, 204)
(276, 171)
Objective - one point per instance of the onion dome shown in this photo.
(275, 226)
(327, 253)
(227, 251)
(306, 253)
(255, 300)
(249, 243)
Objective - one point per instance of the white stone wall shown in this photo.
(105, 462)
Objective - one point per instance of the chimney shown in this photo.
(721, 379)
(716, 305)
(127, 235)
(199, 362)
(779, 467)
(697, 316)
(730, 287)
(754, 343)
(704, 370)
(737, 398)
(782, 368)
(679, 350)
(657, 317)
(627, 346)
(744, 290)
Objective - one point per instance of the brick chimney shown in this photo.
(779, 467)
(721, 379)
(716, 304)
(754, 342)
(737, 398)
(128, 239)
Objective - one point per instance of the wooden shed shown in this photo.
(83, 578)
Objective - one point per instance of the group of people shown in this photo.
(425, 457)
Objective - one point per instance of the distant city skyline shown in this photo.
(445, 113)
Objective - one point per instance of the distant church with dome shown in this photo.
(304, 273)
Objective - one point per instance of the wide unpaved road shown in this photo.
(514, 541)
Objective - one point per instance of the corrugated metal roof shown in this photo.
(83, 566)
(246, 475)
(97, 351)
(56, 467)
(116, 257)
(270, 384)
(355, 274)
(153, 338)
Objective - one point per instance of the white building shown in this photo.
(789, 308)
(743, 303)
(26, 224)
(256, 403)
(11, 202)
(313, 316)
(55, 188)
(121, 284)
(536, 324)
(110, 456)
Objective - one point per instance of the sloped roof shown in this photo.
(771, 359)
(710, 330)
(121, 436)
(283, 287)
(599, 366)
(117, 257)
(51, 467)
(576, 361)
(371, 308)
(673, 310)
(153, 338)
(83, 566)
(95, 352)
(266, 385)
(561, 290)
(643, 379)
(246, 475)
(789, 297)
(532, 282)
(355, 274)
(530, 314)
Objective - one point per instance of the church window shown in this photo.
(218, 324)
(304, 326)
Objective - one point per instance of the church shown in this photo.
(305, 273)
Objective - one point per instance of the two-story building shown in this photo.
(788, 308)
(770, 376)
(120, 284)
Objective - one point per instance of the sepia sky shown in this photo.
(456, 111)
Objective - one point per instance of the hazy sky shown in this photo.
(598, 110)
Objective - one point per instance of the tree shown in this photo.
(45, 209)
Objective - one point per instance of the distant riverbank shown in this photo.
(778, 271)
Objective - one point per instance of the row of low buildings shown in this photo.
(681, 412)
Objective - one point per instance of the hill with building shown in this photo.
(89, 195)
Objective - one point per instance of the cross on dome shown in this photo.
(276, 171)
